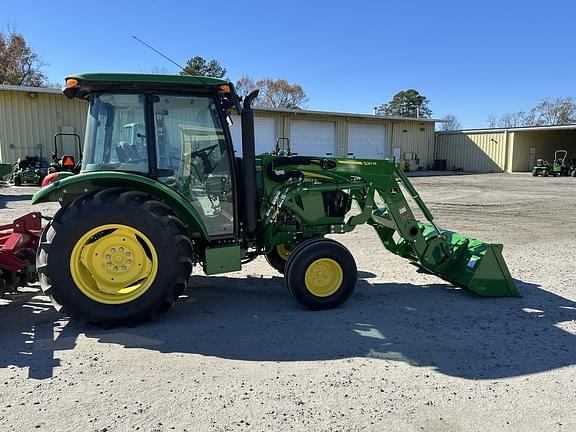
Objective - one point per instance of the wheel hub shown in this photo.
(323, 277)
(113, 264)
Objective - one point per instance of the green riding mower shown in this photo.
(29, 171)
(560, 167)
(143, 213)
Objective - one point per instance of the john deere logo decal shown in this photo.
(393, 191)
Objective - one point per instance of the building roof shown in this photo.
(282, 110)
(341, 114)
(514, 129)
(30, 89)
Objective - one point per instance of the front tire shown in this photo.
(321, 274)
(114, 258)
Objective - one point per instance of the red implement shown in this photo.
(18, 244)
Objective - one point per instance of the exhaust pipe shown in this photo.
(249, 167)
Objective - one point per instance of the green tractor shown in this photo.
(63, 165)
(66, 162)
(160, 191)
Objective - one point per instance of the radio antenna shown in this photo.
(235, 99)
(158, 52)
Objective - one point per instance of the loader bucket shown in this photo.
(474, 265)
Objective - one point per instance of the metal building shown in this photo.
(498, 150)
(344, 134)
(30, 116)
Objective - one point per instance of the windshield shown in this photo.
(115, 138)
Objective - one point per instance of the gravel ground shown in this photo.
(406, 353)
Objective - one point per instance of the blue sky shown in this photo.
(471, 59)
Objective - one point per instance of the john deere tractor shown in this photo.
(160, 192)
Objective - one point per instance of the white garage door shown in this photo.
(367, 141)
(264, 134)
(313, 138)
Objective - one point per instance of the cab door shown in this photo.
(194, 158)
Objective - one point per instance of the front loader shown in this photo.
(140, 216)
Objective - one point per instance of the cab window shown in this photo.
(193, 157)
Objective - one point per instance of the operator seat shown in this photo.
(129, 153)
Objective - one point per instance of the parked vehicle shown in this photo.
(137, 218)
(29, 170)
(560, 167)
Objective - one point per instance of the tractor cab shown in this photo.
(179, 139)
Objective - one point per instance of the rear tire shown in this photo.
(278, 257)
(321, 274)
(17, 180)
(545, 173)
(114, 258)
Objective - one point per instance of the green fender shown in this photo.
(70, 188)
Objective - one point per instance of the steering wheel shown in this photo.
(204, 152)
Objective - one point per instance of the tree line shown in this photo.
(547, 112)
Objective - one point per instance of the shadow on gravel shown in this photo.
(254, 319)
(9, 198)
(451, 330)
(31, 331)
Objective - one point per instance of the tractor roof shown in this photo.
(80, 85)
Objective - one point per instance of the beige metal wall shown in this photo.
(29, 122)
(416, 137)
(481, 151)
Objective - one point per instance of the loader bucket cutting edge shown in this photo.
(480, 268)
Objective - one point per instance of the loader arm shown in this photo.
(296, 205)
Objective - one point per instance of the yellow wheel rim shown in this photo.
(113, 264)
(323, 277)
(283, 251)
